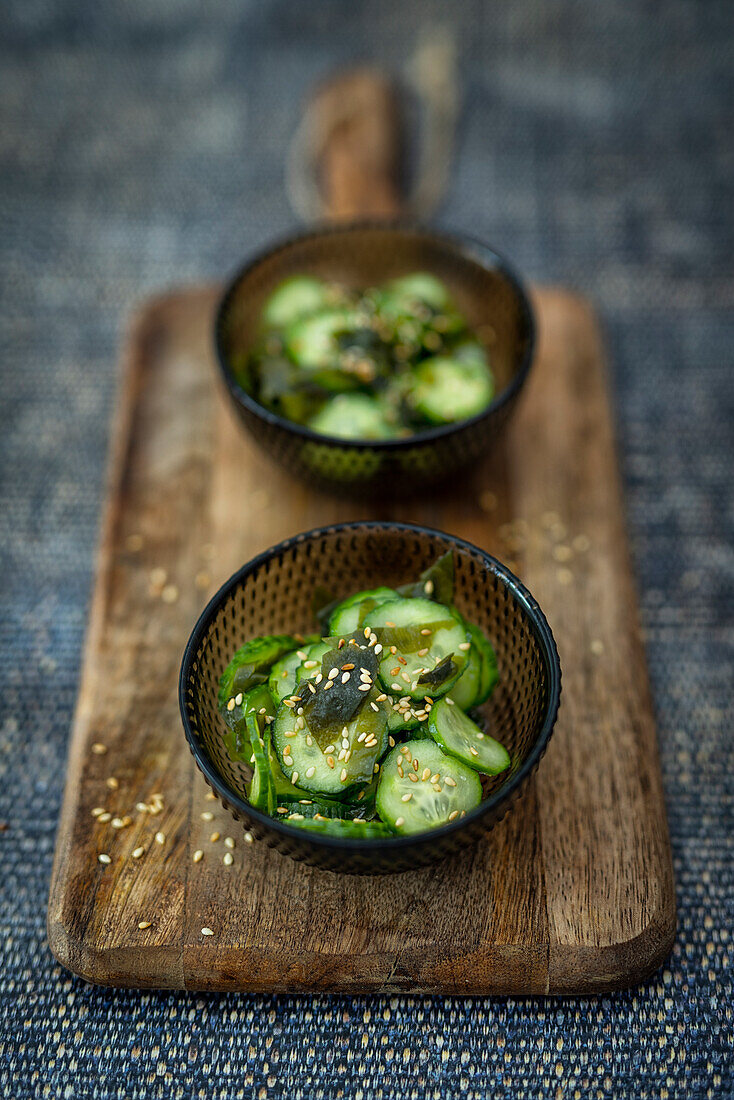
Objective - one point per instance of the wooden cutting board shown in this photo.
(571, 893)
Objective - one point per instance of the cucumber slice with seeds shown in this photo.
(444, 390)
(314, 342)
(294, 298)
(251, 665)
(480, 677)
(433, 790)
(262, 791)
(352, 830)
(352, 416)
(455, 732)
(430, 645)
(283, 675)
(350, 613)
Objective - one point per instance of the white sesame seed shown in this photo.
(104, 817)
(169, 593)
(104, 858)
(449, 781)
(330, 748)
(142, 924)
(428, 587)
(99, 749)
(117, 823)
(229, 841)
(399, 821)
(343, 775)
(454, 814)
(138, 852)
(449, 701)
(112, 783)
(207, 932)
(302, 654)
(207, 816)
(97, 811)
(378, 648)
(160, 838)
(464, 645)
(249, 838)
(407, 797)
(228, 859)
(214, 837)
(294, 778)
(310, 772)
(374, 706)
(473, 751)
(198, 855)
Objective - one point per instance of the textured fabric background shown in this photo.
(141, 145)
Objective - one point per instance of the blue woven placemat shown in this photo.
(141, 145)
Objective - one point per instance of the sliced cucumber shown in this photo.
(350, 613)
(429, 644)
(315, 343)
(311, 664)
(465, 692)
(251, 665)
(350, 830)
(420, 286)
(294, 298)
(436, 582)
(352, 416)
(327, 760)
(283, 676)
(469, 350)
(410, 803)
(445, 390)
(309, 806)
(262, 791)
(455, 732)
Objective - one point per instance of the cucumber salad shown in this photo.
(386, 363)
(364, 730)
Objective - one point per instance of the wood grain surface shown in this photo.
(571, 893)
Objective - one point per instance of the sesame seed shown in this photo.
(310, 664)
(343, 775)
(564, 576)
(328, 684)
(367, 632)
(449, 781)
(142, 807)
(330, 748)
(347, 668)
(597, 647)
(311, 688)
(302, 654)
(364, 687)
(202, 580)
(99, 749)
(143, 924)
(207, 932)
(238, 699)
(426, 632)
(437, 788)
(97, 811)
(112, 783)
(395, 687)
(160, 838)
(118, 823)
(581, 543)
(249, 838)
(282, 810)
(399, 821)
(412, 777)
(401, 773)
(426, 774)
(473, 751)
(334, 673)
(435, 778)
(104, 817)
(330, 761)
(449, 701)
(104, 858)
(228, 859)
(388, 623)
(198, 855)
(465, 645)
(376, 769)
(453, 814)
(294, 778)
(395, 671)
(230, 705)
(229, 841)
(207, 816)
(407, 797)
(134, 543)
(374, 706)
(310, 772)
(319, 678)
(393, 650)
(345, 677)
(158, 577)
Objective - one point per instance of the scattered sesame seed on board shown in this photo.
(104, 817)
(581, 543)
(202, 580)
(133, 543)
(97, 811)
(112, 783)
(249, 838)
(99, 749)
(561, 552)
(487, 501)
(207, 932)
(198, 855)
(143, 924)
(597, 647)
(211, 796)
(228, 859)
(104, 858)
(158, 577)
(138, 852)
(169, 593)
(207, 816)
(229, 841)
(214, 837)
(564, 576)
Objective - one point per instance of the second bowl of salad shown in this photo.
(381, 721)
(375, 358)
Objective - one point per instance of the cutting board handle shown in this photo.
(355, 126)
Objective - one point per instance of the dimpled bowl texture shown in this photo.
(272, 595)
(489, 295)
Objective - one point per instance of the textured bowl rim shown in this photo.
(468, 247)
(545, 639)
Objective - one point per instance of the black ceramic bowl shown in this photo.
(272, 595)
(360, 255)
